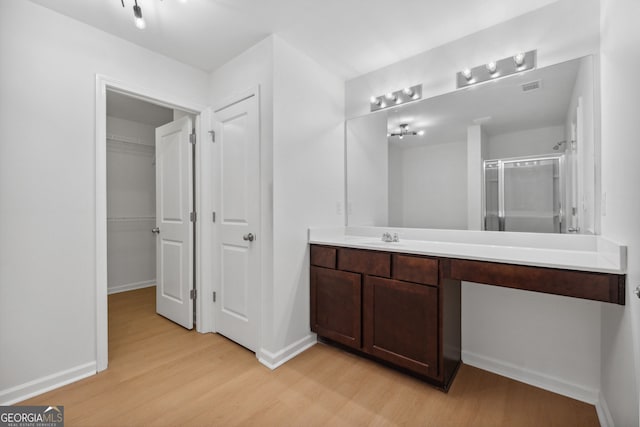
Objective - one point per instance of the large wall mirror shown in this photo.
(515, 154)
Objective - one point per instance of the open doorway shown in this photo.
(131, 191)
(142, 141)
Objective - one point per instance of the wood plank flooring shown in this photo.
(163, 375)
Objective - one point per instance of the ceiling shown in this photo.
(500, 106)
(350, 37)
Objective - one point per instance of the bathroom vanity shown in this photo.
(399, 302)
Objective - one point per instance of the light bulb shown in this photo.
(519, 59)
(421, 132)
(467, 73)
(407, 91)
(492, 67)
(375, 101)
(139, 20)
(140, 23)
(391, 97)
(401, 136)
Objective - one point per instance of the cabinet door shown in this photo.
(336, 305)
(401, 323)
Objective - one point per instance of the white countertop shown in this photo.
(564, 251)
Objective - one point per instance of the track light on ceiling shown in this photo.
(137, 15)
(139, 20)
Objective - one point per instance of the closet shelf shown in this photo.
(127, 139)
(130, 218)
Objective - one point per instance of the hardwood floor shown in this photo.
(161, 374)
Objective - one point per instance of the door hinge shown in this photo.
(214, 296)
(193, 216)
(192, 138)
(213, 216)
(193, 294)
(213, 135)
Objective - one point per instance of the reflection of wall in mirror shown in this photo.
(587, 185)
(367, 171)
(428, 186)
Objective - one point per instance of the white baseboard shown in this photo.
(38, 386)
(273, 360)
(536, 379)
(130, 286)
(604, 416)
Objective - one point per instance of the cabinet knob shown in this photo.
(155, 230)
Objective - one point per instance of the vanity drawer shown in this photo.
(323, 256)
(372, 263)
(415, 269)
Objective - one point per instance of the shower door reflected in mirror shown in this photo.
(524, 194)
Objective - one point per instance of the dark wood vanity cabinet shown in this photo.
(390, 307)
(401, 321)
(336, 301)
(404, 309)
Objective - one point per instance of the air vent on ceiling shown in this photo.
(531, 86)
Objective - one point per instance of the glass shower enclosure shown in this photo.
(524, 194)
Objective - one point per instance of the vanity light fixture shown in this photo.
(522, 61)
(397, 97)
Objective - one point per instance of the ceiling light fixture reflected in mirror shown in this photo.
(404, 131)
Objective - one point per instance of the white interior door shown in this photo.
(174, 241)
(238, 299)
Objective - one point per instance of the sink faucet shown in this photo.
(387, 237)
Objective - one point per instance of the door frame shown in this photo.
(104, 83)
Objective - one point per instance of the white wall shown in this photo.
(308, 180)
(302, 172)
(252, 69)
(368, 171)
(47, 185)
(553, 31)
(432, 186)
(528, 142)
(620, 59)
(131, 198)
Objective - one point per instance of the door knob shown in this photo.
(637, 291)
(155, 230)
(250, 237)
